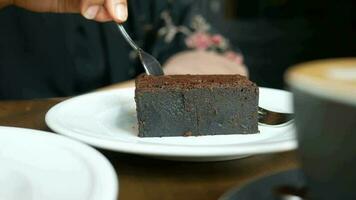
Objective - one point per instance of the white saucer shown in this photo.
(36, 165)
(108, 120)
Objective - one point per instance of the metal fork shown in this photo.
(267, 117)
(153, 67)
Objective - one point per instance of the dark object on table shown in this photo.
(325, 110)
(265, 188)
(288, 192)
(196, 104)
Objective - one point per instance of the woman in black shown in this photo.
(48, 55)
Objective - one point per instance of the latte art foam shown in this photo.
(334, 79)
(342, 74)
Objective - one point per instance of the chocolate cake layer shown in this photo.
(193, 105)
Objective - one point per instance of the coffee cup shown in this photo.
(325, 117)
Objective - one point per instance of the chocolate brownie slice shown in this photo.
(193, 105)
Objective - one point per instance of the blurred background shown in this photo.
(276, 34)
(54, 55)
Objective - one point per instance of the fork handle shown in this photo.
(128, 38)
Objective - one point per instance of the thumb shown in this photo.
(117, 9)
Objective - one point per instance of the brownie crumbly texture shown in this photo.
(194, 105)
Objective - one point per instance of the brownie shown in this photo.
(195, 105)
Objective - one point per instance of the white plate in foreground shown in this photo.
(108, 120)
(40, 166)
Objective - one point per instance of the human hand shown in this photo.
(98, 10)
(203, 62)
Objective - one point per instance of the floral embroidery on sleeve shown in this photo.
(199, 37)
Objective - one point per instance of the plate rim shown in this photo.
(102, 168)
(149, 149)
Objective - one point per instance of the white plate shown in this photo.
(36, 165)
(108, 120)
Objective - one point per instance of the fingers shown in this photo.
(90, 8)
(99, 10)
(105, 10)
(117, 10)
(103, 16)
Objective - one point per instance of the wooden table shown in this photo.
(146, 178)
